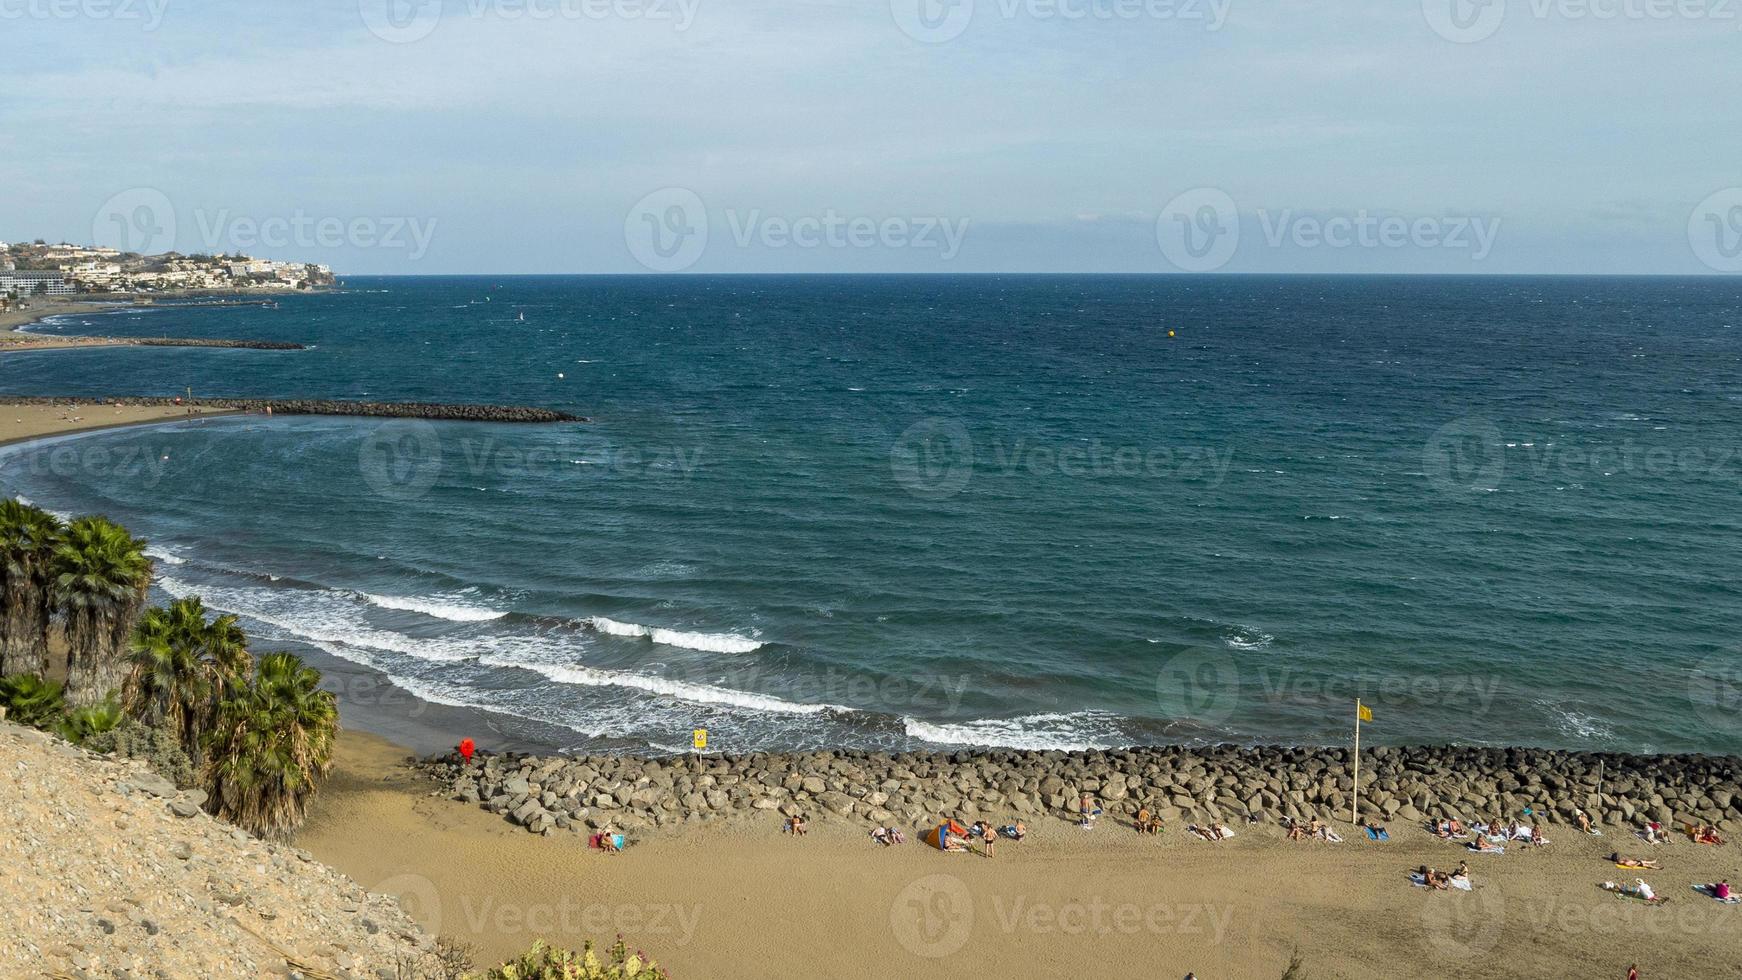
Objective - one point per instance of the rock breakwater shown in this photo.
(1228, 783)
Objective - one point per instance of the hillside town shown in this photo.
(40, 269)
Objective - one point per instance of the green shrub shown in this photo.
(544, 962)
(30, 700)
(133, 739)
(94, 719)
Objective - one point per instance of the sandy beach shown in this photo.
(745, 900)
(19, 423)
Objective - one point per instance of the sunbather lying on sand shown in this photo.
(1621, 862)
(1654, 833)
(1719, 890)
(1639, 889)
(1584, 820)
(1481, 843)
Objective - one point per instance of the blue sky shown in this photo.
(589, 136)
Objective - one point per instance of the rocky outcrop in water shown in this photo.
(1225, 783)
(306, 406)
(237, 344)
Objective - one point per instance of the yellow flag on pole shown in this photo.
(1365, 712)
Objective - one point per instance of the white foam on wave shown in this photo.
(670, 687)
(164, 555)
(705, 642)
(1075, 732)
(437, 606)
(1246, 638)
(333, 621)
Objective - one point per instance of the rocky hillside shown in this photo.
(1220, 783)
(106, 870)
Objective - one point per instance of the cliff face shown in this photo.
(107, 871)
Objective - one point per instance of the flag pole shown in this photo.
(1355, 801)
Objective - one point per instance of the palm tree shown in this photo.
(100, 574)
(183, 667)
(273, 740)
(28, 536)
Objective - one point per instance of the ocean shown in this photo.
(890, 512)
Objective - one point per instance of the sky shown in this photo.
(421, 137)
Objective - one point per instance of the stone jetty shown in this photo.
(307, 406)
(1227, 783)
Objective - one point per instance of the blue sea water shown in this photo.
(898, 512)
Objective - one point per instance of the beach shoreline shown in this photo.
(721, 899)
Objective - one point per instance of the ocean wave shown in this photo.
(1246, 638)
(1075, 732)
(437, 606)
(684, 690)
(705, 642)
(164, 555)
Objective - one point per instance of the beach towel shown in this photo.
(1374, 833)
(1522, 833)
(1199, 831)
(1494, 850)
(1706, 890)
(1642, 835)
(1333, 837)
(1462, 884)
